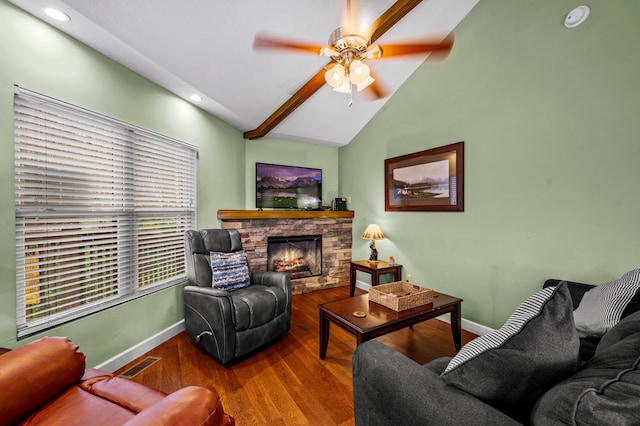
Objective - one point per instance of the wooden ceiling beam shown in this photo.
(387, 20)
(392, 16)
(298, 98)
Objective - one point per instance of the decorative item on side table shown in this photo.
(373, 233)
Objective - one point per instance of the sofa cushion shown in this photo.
(511, 367)
(626, 327)
(606, 391)
(229, 270)
(601, 307)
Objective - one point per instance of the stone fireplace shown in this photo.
(333, 228)
(299, 255)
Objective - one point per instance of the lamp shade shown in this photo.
(360, 75)
(365, 84)
(335, 76)
(373, 232)
(345, 88)
(359, 72)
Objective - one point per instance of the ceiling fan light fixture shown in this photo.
(359, 72)
(365, 84)
(345, 87)
(335, 76)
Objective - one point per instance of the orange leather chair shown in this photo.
(45, 382)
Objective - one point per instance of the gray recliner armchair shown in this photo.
(231, 324)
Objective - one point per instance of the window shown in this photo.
(101, 211)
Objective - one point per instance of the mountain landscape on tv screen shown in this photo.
(272, 182)
(288, 187)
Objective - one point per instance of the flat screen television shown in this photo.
(288, 187)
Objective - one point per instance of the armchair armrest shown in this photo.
(281, 280)
(31, 375)
(131, 395)
(389, 388)
(193, 405)
(208, 319)
(209, 291)
(272, 279)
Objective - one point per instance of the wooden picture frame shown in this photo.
(430, 180)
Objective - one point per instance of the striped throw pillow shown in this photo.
(511, 367)
(529, 309)
(601, 307)
(229, 271)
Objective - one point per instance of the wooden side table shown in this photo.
(375, 270)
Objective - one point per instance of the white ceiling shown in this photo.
(206, 47)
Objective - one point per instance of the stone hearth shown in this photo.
(335, 227)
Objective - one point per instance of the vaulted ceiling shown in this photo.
(205, 47)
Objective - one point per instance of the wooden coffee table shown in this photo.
(380, 320)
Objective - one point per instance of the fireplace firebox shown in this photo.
(300, 255)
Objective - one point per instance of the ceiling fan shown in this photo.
(347, 49)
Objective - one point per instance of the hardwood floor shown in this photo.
(287, 383)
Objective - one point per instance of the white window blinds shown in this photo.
(101, 211)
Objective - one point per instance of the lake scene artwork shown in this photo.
(422, 181)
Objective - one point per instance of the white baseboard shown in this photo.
(362, 285)
(141, 348)
(467, 325)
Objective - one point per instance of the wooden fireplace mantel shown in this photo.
(283, 214)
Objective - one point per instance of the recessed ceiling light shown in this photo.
(56, 14)
(195, 98)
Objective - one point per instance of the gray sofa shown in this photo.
(391, 389)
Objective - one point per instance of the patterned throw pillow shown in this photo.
(536, 348)
(229, 270)
(601, 307)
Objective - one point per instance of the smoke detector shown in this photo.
(576, 17)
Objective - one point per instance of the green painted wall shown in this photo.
(549, 116)
(277, 151)
(38, 57)
(548, 119)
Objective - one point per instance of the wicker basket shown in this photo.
(400, 295)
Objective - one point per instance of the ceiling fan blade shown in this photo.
(297, 99)
(351, 16)
(389, 18)
(402, 49)
(262, 41)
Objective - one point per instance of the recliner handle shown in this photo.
(199, 336)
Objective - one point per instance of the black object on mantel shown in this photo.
(339, 204)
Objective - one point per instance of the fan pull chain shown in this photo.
(350, 96)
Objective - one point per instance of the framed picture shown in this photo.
(431, 180)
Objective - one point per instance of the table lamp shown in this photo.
(373, 233)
